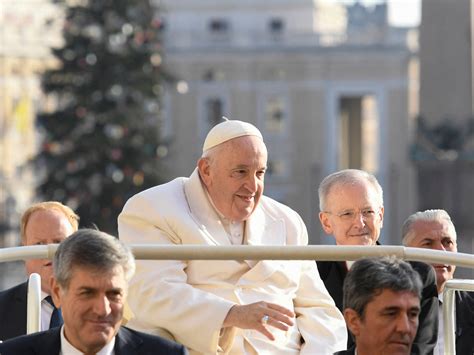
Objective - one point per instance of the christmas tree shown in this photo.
(101, 143)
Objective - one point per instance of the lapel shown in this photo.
(48, 342)
(263, 229)
(20, 307)
(126, 343)
(203, 212)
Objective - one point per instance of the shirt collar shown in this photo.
(68, 349)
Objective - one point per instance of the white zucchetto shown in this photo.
(227, 130)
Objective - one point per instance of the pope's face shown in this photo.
(234, 176)
(45, 227)
(353, 214)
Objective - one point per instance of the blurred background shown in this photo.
(100, 99)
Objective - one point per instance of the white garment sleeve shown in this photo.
(160, 296)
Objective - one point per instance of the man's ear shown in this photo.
(325, 223)
(353, 321)
(204, 170)
(382, 210)
(55, 291)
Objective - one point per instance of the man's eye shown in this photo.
(347, 215)
(368, 212)
(238, 172)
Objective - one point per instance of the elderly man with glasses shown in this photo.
(351, 210)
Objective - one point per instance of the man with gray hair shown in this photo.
(352, 211)
(91, 274)
(381, 306)
(239, 306)
(434, 229)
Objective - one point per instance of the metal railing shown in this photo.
(247, 252)
(449, 310)
(33, 309)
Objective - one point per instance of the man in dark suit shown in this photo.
(43, 223)
(381, 306)
(434, 229)
(90, 284)
(351, 210)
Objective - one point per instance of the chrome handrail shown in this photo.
(282, 252)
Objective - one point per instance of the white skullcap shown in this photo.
(227, 130)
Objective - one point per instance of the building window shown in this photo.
(359, 133)
(219, 26)
(275, 115)
(276, 25)
(214, 110)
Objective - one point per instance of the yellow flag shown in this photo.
(22, 115)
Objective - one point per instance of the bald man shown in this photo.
(235, 306)
(43, 223)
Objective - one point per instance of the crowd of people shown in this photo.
(370, 306)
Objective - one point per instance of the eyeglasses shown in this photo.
(368, 214)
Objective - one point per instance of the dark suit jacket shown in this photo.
(350, 351)
(333, 274)
(13, 311)
(464, 322)
(127, 342)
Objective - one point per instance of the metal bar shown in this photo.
(449, 311)
(33, 312)
(267, 252)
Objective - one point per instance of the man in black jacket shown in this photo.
(90, 284)
(381, 306)
(351, 210)
(434, 229)
(42, 223)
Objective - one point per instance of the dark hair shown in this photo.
(368, 277)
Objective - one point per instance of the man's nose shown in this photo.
(403, 324)
(102, 305)
(252, 183)
(359, 219)
(439, 246)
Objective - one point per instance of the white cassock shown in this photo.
(190, 299)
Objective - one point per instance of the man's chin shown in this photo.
(364, 239)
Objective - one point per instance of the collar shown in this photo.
(68, 349)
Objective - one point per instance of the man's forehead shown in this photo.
(391, 299)
(432, 230)
(344, 193)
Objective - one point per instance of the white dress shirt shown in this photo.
(68, 349)
(46, 311)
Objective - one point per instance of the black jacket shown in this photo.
(333, 274)
(127, 342)
(464, 322)
(13, 311)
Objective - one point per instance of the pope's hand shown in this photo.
(258, 316)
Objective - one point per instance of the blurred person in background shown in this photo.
(234, 306)
(352, 211)
(434, 229)
(43, 223)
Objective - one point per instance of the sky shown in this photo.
(400, 12)
(404, 12)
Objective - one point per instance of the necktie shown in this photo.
(56, 317)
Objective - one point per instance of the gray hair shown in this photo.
(368, 277)
(347, 177)
(426, 216)
(91, 248)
